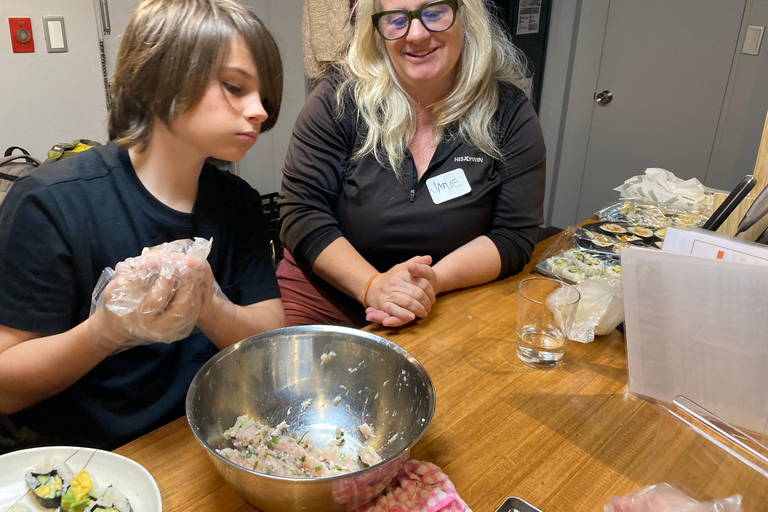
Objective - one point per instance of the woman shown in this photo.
(194, 79)
(415, 168)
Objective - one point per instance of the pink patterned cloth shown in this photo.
(418, 487)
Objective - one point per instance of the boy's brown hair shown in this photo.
(171, 51)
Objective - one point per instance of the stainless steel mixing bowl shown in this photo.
(269, 375)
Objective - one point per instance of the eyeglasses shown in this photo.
(435, 16)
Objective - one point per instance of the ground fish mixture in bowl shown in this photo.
(272, 452)
(310, 419)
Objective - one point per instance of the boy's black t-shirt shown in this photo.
(59, 228)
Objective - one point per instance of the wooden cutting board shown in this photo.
(761, 175)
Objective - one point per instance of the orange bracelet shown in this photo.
(365, 293)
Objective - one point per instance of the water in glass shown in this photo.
(540, 348)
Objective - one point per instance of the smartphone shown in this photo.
(515, 504)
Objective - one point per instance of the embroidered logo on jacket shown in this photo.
(475, 159)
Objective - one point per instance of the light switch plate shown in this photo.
(55, 34)
(752, 40)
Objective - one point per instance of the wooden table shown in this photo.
(563, 439)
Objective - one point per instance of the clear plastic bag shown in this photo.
(154, 297)
(600, 309)
(662, 186)
(655, 215)
(596, 273)
(666, 498)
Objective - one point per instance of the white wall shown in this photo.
(262, 166)
(47, 98)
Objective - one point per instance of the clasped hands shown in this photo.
(157, 297)
(403, 293)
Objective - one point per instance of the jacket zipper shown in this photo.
(414, 179)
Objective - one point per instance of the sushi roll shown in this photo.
(575, 255)
(112, 501)
(612, 271)
(49, 484)
(593, 267)
(78, 496)
(659, 244)
(557, 263)
(641, 231)
(661, 233)
(573, 273)
(613, 228)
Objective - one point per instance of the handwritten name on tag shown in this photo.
(448, 186)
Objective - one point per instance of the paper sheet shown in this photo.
(698, 328)
(705, 244)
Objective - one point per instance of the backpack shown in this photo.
(67, 149)
(13, 167)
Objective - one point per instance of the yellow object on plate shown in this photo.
(81, 485)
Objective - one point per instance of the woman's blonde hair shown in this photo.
(487, 59)
(169, 54)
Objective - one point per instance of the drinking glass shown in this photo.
(545, 309)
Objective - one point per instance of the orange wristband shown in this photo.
(365, 293)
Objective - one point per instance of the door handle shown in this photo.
(603, 98)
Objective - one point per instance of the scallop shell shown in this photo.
(628, 238)
(641, 231)
(613, 228)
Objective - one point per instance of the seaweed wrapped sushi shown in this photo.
(49, 484)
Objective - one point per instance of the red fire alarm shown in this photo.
(21, 35)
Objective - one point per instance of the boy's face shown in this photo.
(226, 121)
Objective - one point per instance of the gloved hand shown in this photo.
(666, 498)
(155, 297)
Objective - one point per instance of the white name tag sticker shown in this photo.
(447, 186)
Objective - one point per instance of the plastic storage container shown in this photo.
(707, 458)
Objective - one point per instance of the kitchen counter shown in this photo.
(563, 439)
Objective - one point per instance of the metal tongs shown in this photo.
(736, 196)
(756, 212)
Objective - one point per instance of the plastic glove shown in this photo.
(155, 297)
(666, 498)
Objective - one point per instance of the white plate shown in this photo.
(105, 469)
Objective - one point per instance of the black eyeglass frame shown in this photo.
(453, 4)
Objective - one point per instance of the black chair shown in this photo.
(269, 203)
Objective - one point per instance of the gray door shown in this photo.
(666, 64)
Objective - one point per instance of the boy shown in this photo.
(194, 79)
